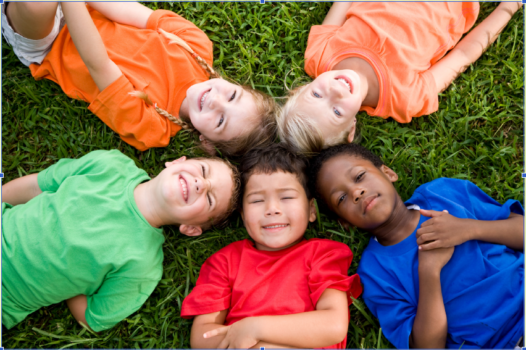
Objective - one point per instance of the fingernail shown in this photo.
(419, 247)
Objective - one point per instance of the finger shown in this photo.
(430, 246)
(445, 211)
(431, 213)
(217, 331)
(424, 230)
(426, 239)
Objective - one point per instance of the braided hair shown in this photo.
(174, 39)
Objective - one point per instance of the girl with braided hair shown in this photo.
(147, 74)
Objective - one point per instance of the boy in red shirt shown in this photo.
(277, 289)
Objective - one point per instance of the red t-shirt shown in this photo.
(148, 63)
(401, 41)
(250, 282)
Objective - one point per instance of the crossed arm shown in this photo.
(21, 190)
(325, 326)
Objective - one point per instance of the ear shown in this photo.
(346, 224)
(391, 175)
(178, 160)
(312, 210)
(352, 131)
(208, 147)
(190, 230)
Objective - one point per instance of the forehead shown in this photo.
(272, 182)
(333, 171)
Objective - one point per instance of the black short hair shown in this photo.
(349, 149)
(271, 159)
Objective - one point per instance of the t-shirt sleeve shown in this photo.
(51, 178)
(390, 301)
(330, 264)
(464, 199)
(183, 28)
(116, 299)
(319, 38)
(136, 122)
(212, 291)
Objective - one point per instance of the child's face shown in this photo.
(359, 192)
(276, 210)
(220, 110)
(332, 101)
(195, 191)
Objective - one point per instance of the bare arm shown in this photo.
(470, 48)
(325, 326)
(445, 230)
(21, 190)
(336, 15)
(78, 305)
(89, 44)
(430, 325)
(130, 13)
(205, 323)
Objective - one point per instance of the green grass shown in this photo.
(477, 134)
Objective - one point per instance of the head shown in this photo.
(354, 183)
(197, 193)
(322, 113)
(230, 117)
(276, 202)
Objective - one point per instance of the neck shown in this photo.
(145, 197)
(370, 87)
(399, 226)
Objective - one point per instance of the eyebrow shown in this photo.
(279, 190)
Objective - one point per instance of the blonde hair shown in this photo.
(299, 132)
(263, 134)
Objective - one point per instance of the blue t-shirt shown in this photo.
(482, 284)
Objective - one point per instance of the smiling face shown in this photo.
(332, 101)
(276, 210)
(196, 190)
(359, 192)
(220, 110)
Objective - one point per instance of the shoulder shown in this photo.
(441, 188)
(229, 254)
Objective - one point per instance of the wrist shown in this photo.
(429, 271)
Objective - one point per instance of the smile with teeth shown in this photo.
(184, 187)
(203, 98)
(275, 226)
(345, 82)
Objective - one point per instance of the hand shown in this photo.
(442, 230)
(434, 260)
(239, 335)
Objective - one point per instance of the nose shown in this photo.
(335, 89)
(273, 208)
(201, 185)
(357, 194)
(216, 100)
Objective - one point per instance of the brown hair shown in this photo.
(263, 134)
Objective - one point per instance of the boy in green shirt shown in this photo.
(88, 231)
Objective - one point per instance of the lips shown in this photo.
(369, 202)
(202, 98)
(184, 188)
(345, 81)
(275, 227)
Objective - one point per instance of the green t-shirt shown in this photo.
(83, 235)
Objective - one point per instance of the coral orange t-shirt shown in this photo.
(401, 41)
(148, 63)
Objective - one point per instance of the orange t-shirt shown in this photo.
(147, 63)
(401, 41)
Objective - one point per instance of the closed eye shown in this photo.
(233, 96)
(207, 195)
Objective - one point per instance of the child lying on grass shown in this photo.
(443, 269)
(88, 231)
(111, 53)
(278, 289)
(390, 59)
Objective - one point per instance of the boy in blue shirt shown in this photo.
(443, 269)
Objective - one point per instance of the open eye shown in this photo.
(233, 96)
(360, 176)
(221, 121)
(337, 112)
(341, 199)
(316, 95)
